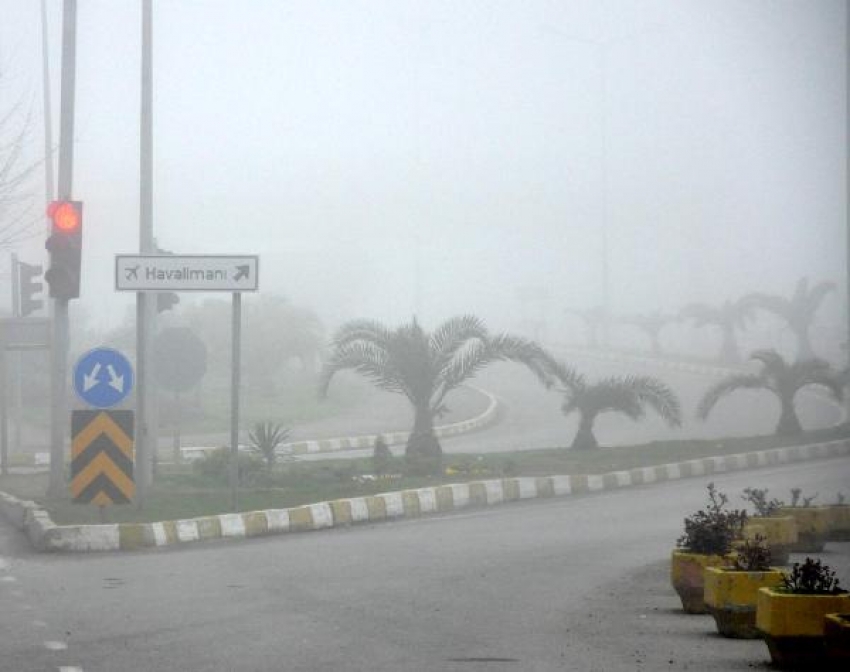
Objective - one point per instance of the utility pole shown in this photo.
(146, 441)
(847, 160)
(59, 345)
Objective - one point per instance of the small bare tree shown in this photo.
(18, 215)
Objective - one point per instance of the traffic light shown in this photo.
(166, 301)
(27, 275)
(65, 245)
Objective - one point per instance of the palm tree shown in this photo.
(629, 395)
(425, 367)
(798, 311)
(651, 324)
(729, 316)
(266, 437)
(781, 378)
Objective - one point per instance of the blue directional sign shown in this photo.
(103, 377)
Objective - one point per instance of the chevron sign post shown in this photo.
(102, 457)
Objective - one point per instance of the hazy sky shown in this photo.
(392, 157)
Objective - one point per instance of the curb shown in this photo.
(45, 535)
(313, 446)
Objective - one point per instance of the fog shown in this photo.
(433, 158)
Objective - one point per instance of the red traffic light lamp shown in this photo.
(65, 245)
(67, 216)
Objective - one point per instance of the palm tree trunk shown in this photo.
(585, 440)
(789, 424)
(422, 441)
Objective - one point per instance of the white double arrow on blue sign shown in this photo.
(115, 381)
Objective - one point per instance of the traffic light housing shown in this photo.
(27, 276)
(65, 245)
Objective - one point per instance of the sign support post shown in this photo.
(235, 367)
(143, 273)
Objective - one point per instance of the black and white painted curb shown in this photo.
(47, 536)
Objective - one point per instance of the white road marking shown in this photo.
(65, 668)
(4, 565)
(53, 645)
(39, 624)
(8, 579)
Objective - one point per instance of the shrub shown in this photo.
(265, 438)
(758, 498)
(812, 578)
(510, 468)
(711, 531)
(753, 555)
(216, 465)
(381, 457)
(796, 497)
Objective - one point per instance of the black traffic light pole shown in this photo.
(59, 349)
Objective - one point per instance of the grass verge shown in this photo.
(182, 492)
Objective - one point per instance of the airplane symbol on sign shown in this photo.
(132, 272)
(241, 272)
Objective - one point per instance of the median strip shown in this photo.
(47, 536)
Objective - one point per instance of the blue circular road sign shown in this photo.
(103, 377)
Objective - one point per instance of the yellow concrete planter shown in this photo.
(813, 523)
(730, 597)
(686, 575)
(839, 522)
(836, 634)
(780, 534)
(793, 625)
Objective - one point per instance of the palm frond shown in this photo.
(777, 305)
(609, 394)
(567, 376)
(506, 347)
(773, 362)
(362, 330)
(814, 297)
(656, 394)
(726, 386)
(366, 359)
(818, 372)
(452, 335)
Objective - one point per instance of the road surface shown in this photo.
(574, 583)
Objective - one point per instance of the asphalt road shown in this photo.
(531, 417)
(576, 583)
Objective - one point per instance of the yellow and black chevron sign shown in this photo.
(102, 457)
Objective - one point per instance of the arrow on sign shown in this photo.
(241, 272)
(90, 379)
(116, 382)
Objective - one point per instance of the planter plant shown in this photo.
(707, 542)
(780, 532)
(731, 591)
(790, 617)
